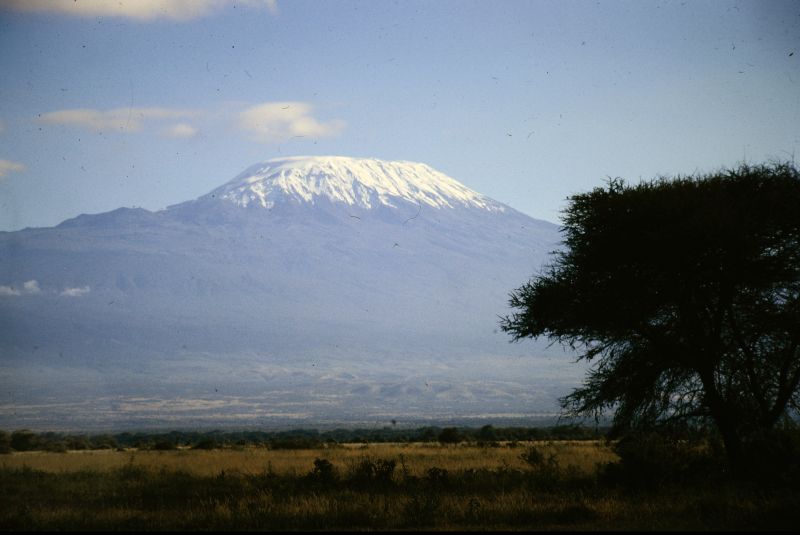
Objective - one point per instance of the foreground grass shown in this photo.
(385, 486)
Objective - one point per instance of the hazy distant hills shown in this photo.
(307, 290)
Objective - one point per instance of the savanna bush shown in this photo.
(772, 458)
(24, 440)
(5, 442)
(79, 442)
(208, 443)
(547, 472)
(650, 459)
(294, 443)
(534, 457)
(373, 472)
(55, 447)
(437, 477)
(323, 472)
(450, 435)
(104, 442)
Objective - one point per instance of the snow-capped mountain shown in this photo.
(364, 183)
(308, 288)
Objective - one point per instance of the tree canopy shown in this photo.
(684, 294)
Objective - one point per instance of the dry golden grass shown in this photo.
(417, 458)
(256, 488)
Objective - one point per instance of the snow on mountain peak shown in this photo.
(360, 182)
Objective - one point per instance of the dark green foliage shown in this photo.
(487, 433)
(772, 457)
(437, 477)
(77, 443)
(5, 442)
(295, 439)
(369, 472)
(209, 443)
(450, 435)
(323, 472)
(534, 457)
(685, 295)
(427, 435)
(104, 442)
(24, 440)
(55, 446)
(547, 473)
(651, 459)
(294, 443)
(571, 432)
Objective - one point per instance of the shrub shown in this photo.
(428, 435)
(24, 440)
(437, 476)
(655, 458)
(450, 435)
(772, 458)
(104, 442)
(487, 433)
(164, 445)
(77, 443)
(323, 472)
(533, 456)
(55, 447)
(294, 443)
(377, 472)
(547, 472)
(206, 444)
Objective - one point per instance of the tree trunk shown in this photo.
(733, 444)
(725, 418)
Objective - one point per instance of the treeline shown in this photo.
(488, 435)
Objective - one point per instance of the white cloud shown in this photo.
(269, 122)
(140, 10)
(7, 166)
(181, 130)
(8, 290)
(124, 119)
(31, 287)
(272, 6)
(273, 122)
(75, 292)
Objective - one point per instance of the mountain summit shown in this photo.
(360, 182)
(305, 290)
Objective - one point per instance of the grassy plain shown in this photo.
(357, 487)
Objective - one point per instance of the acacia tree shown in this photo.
(684, 294)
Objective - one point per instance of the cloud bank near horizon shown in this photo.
(121, 119)
(139, 10)
(7, 167)
(267, 122)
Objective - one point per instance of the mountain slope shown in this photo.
(339, 279)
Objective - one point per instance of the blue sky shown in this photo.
(149, 103)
